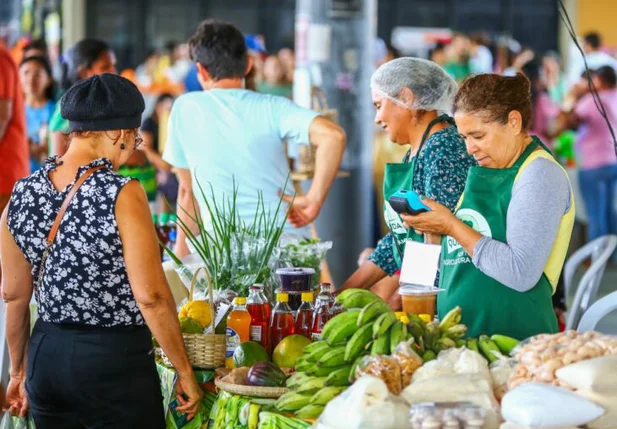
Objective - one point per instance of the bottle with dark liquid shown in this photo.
(323, 310)
(282, 324)
(304, 316)
(260, 324)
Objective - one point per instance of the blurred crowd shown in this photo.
(565, 116)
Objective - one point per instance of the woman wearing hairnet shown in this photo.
(411, 96)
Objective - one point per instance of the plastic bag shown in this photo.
(501, 371)
(247, 262)
(595, 375)
(545, 406)
(408, 361)
(12, 422)
(454, 362)
(541, 356)
(474, 388)
(367, 404)
(609, 403)
(385, 368)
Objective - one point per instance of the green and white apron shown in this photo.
(490, 307)
(399, 176)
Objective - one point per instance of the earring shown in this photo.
(122, 146)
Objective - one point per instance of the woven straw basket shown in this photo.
(306, 157)
(253, 391)
(205, 351)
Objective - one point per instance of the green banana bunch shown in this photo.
(505, 344)
(356, 298)
(383, 323)
(316, 352)
(338, 377)
(311, 347)
(323, 371)
(489, 349)
(326, 394)
(340, 327)
(429, 355)
(292, 401)
(431, 335)
(312, 385)
(302, 364)
(371, 311)
(444, 343)
(352, 372)
(334, 357)
(296, 379)
(472, 344)
(253, 420)
(381, 346)
(416, 320)
(452, 318)
(310, 411)
(398, 334)
(358, 342)
(460, 343)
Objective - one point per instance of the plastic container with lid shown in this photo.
(296, 279)
(419, 299)
(446, 415)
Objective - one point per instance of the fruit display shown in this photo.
(190, 326)
(541, 356)
(198, 310)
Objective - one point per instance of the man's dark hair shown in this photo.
(36, 44)
(607, 75)
(593, 39)
(220, 48)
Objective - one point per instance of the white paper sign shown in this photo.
(420, 264)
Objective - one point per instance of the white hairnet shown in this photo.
(432, 87)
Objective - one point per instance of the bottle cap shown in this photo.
(173, 218)
(239, 300)
(307, 297)
(164, 218)
(282, 297)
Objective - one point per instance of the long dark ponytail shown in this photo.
(82, 55)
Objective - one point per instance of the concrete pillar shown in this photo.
(73, 22)
(565, 40)
(334, 51)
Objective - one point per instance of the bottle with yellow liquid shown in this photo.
(238, 328)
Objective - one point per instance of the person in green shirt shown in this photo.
(86, 58)
(274, 82)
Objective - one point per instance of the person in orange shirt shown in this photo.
(14, 155)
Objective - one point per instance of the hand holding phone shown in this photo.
(408, 202)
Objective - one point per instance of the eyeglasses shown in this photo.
(138, 140)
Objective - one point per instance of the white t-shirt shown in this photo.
(595, 60)
(227, 135)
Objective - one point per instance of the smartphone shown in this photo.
(407, 202)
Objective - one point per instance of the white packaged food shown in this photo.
(609, 403)
(508, 425)
(545, 406)
(596, 375)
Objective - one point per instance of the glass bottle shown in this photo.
(304, 316)
(282, 324)
(238, 327)
(260, 323)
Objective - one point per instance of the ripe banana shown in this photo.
(505, 344)
(339, 377)
(292, 401)
(381, 346)
(312, 385)
(371, 311)
(317, 352)
(383, 323)
(452, 318)
(349, 316)
(334, 357)
(358, 342)
(398, 334)
(456, 332)
(326, 394)
(310, 411)
(356, 298)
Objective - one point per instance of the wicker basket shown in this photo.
(205, 351)
(253, 391)
(306, 157)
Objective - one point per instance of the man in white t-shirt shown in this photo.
(596, 58)
(226, 133)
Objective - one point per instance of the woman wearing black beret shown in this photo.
(80, 237)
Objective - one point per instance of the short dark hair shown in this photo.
(593, 39)
(607, 75)
(36, 44)
(495, 96)
(44, 63)
(220, 48)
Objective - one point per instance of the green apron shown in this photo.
(398, 177)
(488, 306)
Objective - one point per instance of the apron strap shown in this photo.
(528, 150)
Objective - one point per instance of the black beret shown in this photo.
(101, 103)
